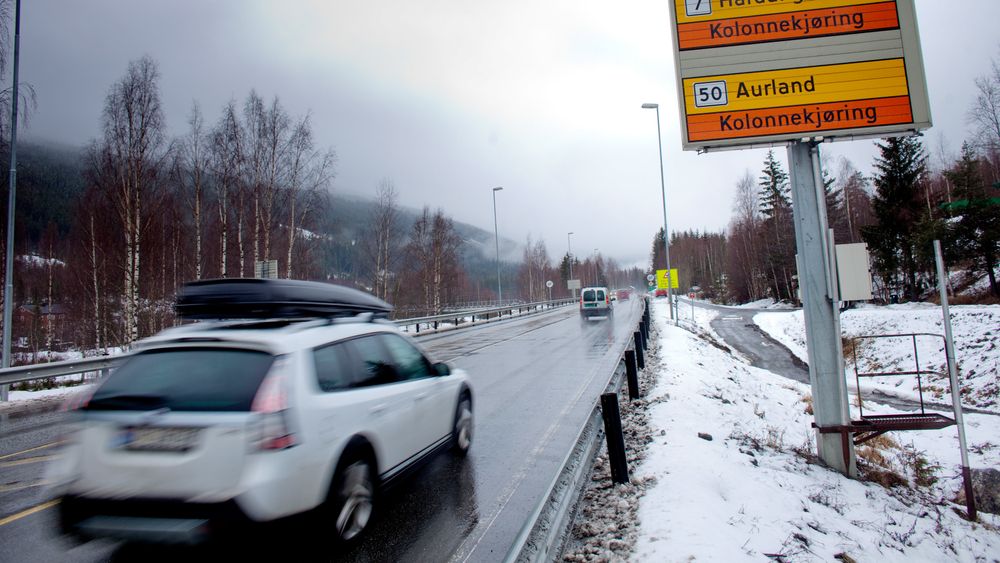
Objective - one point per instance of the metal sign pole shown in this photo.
(956, 397)
(826, 377)
(8, 302)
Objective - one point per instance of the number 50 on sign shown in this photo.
(708, 94)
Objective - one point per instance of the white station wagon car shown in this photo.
(310, 405)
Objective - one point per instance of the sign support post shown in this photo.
(826, 376)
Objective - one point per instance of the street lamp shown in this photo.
(666, 232)
(496, 233)
(569, 253)
(597, 280)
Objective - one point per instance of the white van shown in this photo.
(595, 302)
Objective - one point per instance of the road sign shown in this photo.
(650, 277)
(767, 72)
(572, 284)
(266, 269)
(662, 279)
(548, 284)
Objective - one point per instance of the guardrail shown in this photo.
(20, 374)
(479, 315)
(540, 537)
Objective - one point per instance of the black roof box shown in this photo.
(248, 298)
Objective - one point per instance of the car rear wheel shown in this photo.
(461, 434)
(352, 499)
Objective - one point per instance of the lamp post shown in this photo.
(666, 231)
(496, 233)
(596, 280)
(569, 252)
(8, 302)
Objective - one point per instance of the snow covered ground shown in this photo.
(726, 472)
(977, 348)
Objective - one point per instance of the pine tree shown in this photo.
(898, 210)
(976, 233)
(774, 191)
(777, 229)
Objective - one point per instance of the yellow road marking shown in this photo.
(49, 445)
(27, 460)
(28, 512)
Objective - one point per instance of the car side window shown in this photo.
(332, 373)
(410, 362)
(371, 363)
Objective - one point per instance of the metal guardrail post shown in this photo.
(616, 440)
(632, 375)
(645, 335)
(640, 360)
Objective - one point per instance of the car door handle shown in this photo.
(420, 396)
(378, 410)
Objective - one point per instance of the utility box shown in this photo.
(853, 273)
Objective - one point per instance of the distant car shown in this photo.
(660, 292)
(624, 294)
(595, 302)
(300, 399)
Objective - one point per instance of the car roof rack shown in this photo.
(250, 298)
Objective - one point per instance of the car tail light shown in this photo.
(271, 404)
(78, 399)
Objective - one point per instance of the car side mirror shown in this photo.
(442, 368)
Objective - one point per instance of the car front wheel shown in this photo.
(461, 434)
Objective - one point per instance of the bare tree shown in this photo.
(382, 238)
(309, 176)
(433, 254)
(534, 268)
(27, 99)
(193, 164)
(984, 114)
(226, 164)
(134, 144)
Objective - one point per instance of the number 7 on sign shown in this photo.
(698, 7)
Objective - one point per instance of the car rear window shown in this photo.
(184, 380)
(590, 295)
(600, 295)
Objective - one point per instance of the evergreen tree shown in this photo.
(774, 191)
(777, 229)
(898, 210)
(657, 259)
(976, 233)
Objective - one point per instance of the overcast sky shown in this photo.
(449, 99)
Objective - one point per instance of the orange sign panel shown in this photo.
(729, 26)
(807, 101)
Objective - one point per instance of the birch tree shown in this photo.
(226, 163)
(194, 161)
(133, 126)
(381, 240)
(309, 176)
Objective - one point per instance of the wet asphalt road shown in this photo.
(535, 382)
(736, 327)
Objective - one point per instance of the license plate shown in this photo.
(590, 304)
(157, 439)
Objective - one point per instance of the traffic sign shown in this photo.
(650, 277)
(662, 279)
(548, 284)
(757, 72)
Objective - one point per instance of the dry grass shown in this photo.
(808, 400)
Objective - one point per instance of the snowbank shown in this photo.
(754, 490)
(977, 333)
